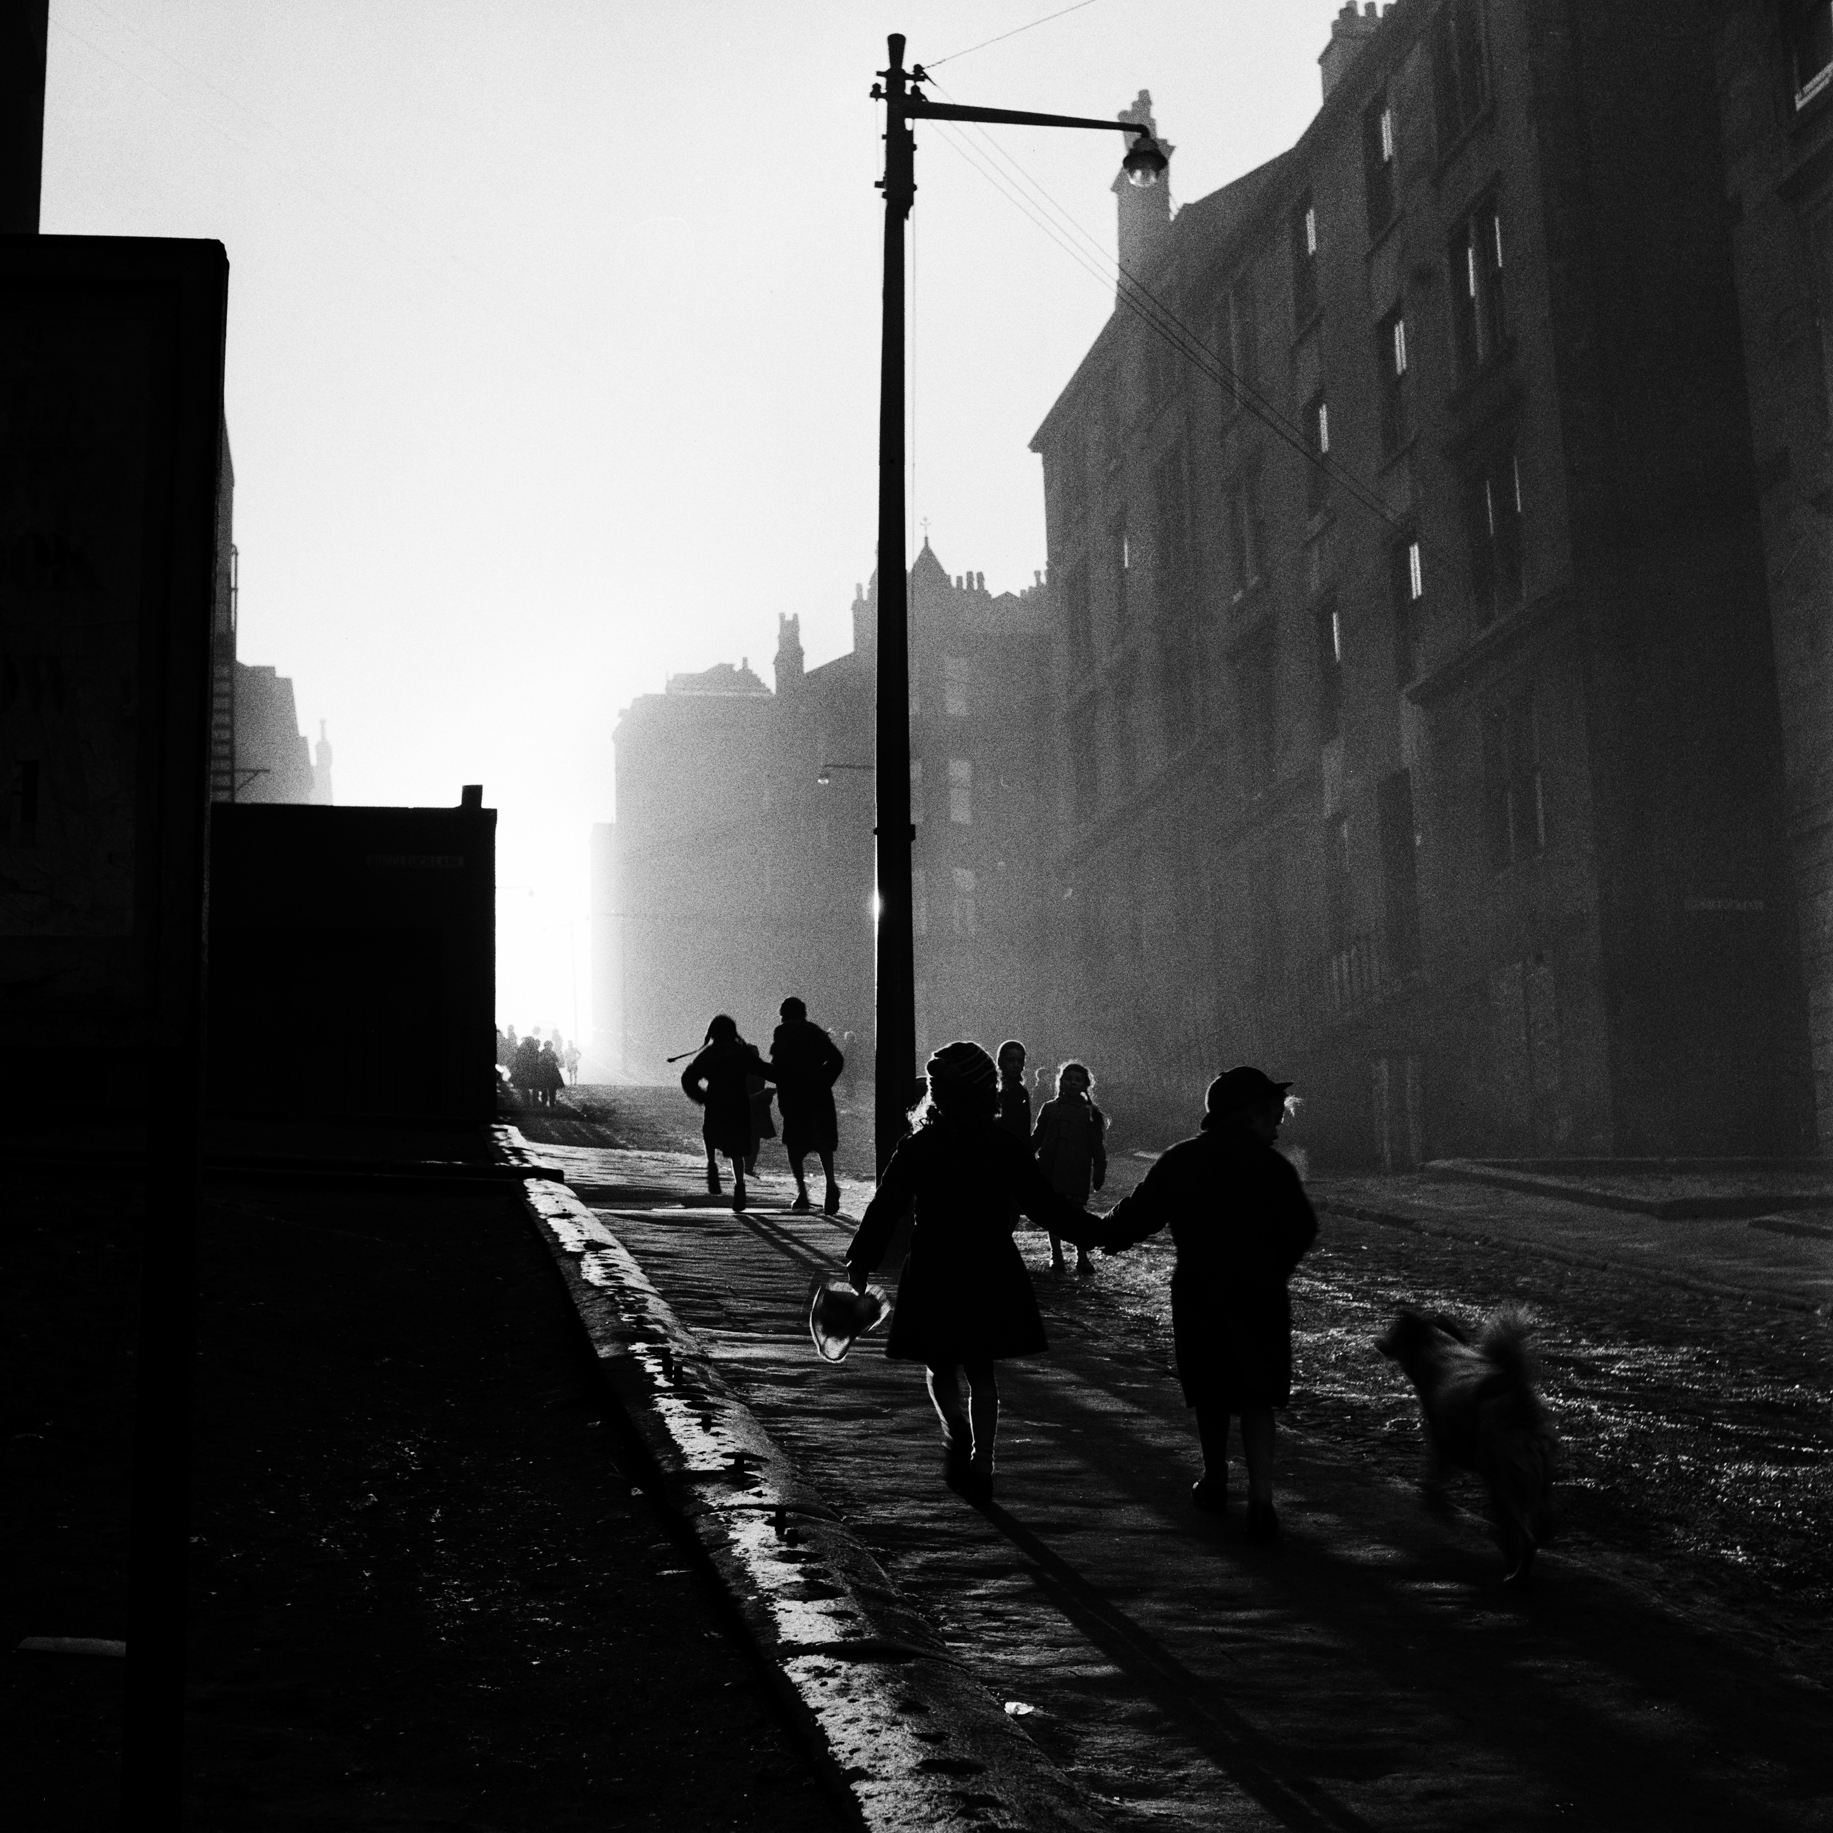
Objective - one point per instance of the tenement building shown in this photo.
(741, 863)
(689, 854)
(1413, 673)
(1775, 67)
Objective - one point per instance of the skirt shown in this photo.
(960, 1304)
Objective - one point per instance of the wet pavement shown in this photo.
(1369, 1671)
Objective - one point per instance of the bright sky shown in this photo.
(553, 339)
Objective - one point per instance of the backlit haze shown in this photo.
(554, 338)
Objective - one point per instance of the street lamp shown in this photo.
(895, 1068)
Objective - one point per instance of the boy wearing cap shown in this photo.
(1241, 1222)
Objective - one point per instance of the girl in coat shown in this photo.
(964, 1300)
(1071, 1149)
(717, 1080)
(1242, 1222)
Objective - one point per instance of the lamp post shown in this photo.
(895, 1066)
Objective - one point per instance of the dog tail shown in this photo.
(1503, 1342)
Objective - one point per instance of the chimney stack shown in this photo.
(1349, 32)
(1145, 212)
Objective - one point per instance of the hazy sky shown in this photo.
(553, 339)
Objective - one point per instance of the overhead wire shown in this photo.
(1164, 322)
(1003, 36)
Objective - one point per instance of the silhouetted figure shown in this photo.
(569, 1061)
(551, 1080)
(1070, 1142)
(807, 1065)
(849, 1049)
(1014, 1099)
(1242, 1222)
(525, 1068)
(964, 1299)
(716, 1081)
(757, 1092)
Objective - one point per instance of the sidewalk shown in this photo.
(1368, 1672)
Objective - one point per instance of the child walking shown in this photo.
(964, 1299)
(1071, 1150)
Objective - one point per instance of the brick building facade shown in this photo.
(1775, 71)
(1412, 660)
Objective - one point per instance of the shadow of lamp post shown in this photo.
(894, 1070)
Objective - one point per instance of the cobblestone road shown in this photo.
(1369, 1671)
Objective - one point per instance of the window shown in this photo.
(1072, 498)
(1492, 516)
(919, 902)
(1378, 162)
(1329, 672)
(1317, 434)
(916, 792)
(1161, 371)
(1460, 77)
(1083, 771)
(1126, 738)
(1811, 29)
(1304, 262)
(22, 804)
(1177, 698)
(1266, 930)
(954, 686)
(960, 790)
(1480, 324)
(1337, 889)
(1079, 627)
(1171, 561)
(1241, 339)
(1122, 549)
(1246, 535)
(1399, 869)
(1391, 366)
(1515, 817)
(1255, 687)
(962, 917)
(1406, 587)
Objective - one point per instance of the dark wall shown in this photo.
(353, 963)
(1708, 1036)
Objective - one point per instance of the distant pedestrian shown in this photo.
(716, 1081)
(964, 1299)
(1242, 1222)
(552, 1080)
(1014, 1099)
(849, 1049)
(1070, 1142)
(569, 1061)
(807, 1065)
(525, 1068)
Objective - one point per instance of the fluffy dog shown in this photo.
(1483, 1415)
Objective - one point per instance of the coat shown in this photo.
(1070, 1146)
(715, 1080)
(1015, 1110)
(807, 1064)
(964, 1294)
(1242, 1222)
